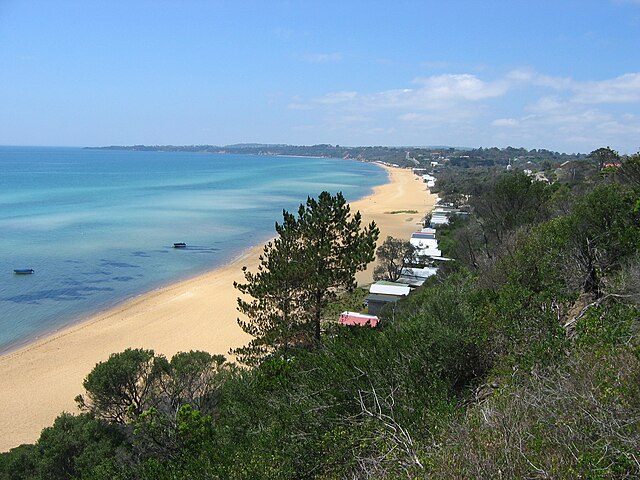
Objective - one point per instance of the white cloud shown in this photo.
(526, 77)
(622, 89)
(548, 104)
(433, 93)
(564, 124)
(522, 105)
(459, 87)
(506, 122)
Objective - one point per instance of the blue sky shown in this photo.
(562, 74)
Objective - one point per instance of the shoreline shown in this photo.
(123, 304)
(79, 319)
(198, 313)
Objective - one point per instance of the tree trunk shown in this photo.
(592, 284)
(317, 315)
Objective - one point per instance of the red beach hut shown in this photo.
(359, 319)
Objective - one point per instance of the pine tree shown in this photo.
(314, 257)
(275, 312)
(335, 248)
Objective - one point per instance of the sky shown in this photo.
(561, 74)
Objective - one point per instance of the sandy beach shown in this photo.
(40, 380)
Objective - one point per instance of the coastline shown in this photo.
(194, 314)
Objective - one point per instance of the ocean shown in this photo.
(98, 226)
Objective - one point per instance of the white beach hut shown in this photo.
(389, 288)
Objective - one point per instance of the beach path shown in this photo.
(40, 380)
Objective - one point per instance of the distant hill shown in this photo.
(402, 156)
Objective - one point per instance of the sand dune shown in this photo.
(40, 380)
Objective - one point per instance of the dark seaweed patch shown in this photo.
(58, 294)
(112, 263)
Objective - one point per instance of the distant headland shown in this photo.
(401, 156)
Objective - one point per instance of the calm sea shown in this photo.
(98, 226)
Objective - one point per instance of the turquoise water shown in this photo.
(98, 226)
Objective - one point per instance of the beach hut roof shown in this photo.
(439, 220)
(389, 288)
(359, 319)
(426, 235)
(429, 250)
(423, 272)
(413, 282)
(441, 259)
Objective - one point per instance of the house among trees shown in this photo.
(416, 276)
(612, 165)
(439, 216)
(382, 293)
(430, 180)
(425, 242)
(358, 319)
(376, 302)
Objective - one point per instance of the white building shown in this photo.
(430, 180)
(439, 218)
(425, 242)
(415, 277)
(389, 288)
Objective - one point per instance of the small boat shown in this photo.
(179, 245)
(24, 271)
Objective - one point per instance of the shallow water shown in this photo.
(98, 226)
